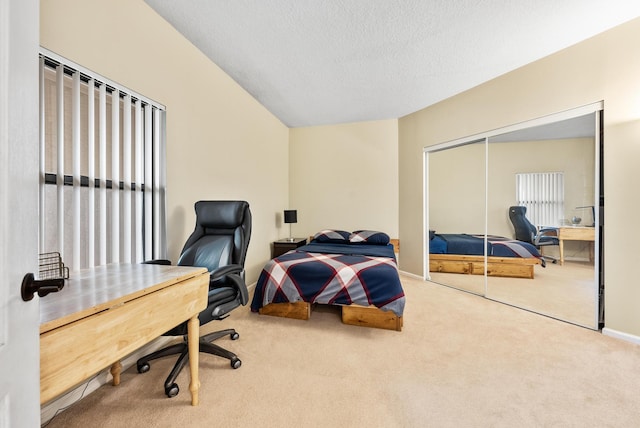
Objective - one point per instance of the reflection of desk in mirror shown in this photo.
(576, 233)
(105, 313)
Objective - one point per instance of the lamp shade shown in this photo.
(290, 216)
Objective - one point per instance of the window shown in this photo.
(102, 168)
(542, 193)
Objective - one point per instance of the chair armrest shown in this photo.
(225, 270)
(235, 274)
(157, 262)
(548, 231)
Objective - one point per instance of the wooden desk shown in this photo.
(576, 233)
(105, 313)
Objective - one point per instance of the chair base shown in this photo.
(545, 257)
(171, 389)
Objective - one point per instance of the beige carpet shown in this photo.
(460, 361)
(566, 292)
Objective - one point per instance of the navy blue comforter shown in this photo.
(336, 274)
(474, 245)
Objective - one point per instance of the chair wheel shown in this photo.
(143, 368)
(172, 390)
(236, 363)
(234, 336)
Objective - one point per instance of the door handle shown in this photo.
(30, 286)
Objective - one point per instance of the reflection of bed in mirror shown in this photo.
(465, 253)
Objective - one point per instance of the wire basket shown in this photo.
(51, 266)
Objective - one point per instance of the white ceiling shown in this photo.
(339, 61)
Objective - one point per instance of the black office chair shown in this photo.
(527, 232)
(219, 243)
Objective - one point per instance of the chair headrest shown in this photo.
(221, 214)
(518, 210)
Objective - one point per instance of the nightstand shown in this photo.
(281, 246)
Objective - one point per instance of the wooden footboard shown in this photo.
(511, 267)
(371, 317)
(296, 310)
(353, 315)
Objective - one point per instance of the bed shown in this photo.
(356, 271)
(464, 253)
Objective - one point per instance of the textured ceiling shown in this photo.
(338, 61)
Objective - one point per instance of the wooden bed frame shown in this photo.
(353, 314)
(510, 267)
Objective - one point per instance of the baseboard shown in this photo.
(621, 335)
(576, 259)
(412, 275)
(251, 287)
(52, 408)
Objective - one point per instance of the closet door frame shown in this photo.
(596, 108)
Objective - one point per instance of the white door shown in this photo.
(19, 320)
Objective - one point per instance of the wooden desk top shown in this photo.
(90, 291)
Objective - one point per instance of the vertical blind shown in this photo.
(102, 161)
(542, 193)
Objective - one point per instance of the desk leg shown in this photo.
(193, 338)
(116, 368)
(561, 245)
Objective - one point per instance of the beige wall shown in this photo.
(345, 177)
(457, 190)
(221, 143)
(606, 67)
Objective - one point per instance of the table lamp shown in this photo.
(290, 216)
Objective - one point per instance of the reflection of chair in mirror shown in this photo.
(527, 232)
(218, 243)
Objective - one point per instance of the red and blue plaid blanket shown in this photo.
(334, 274)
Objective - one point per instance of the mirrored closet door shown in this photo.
(551, 167)
(457, 177)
